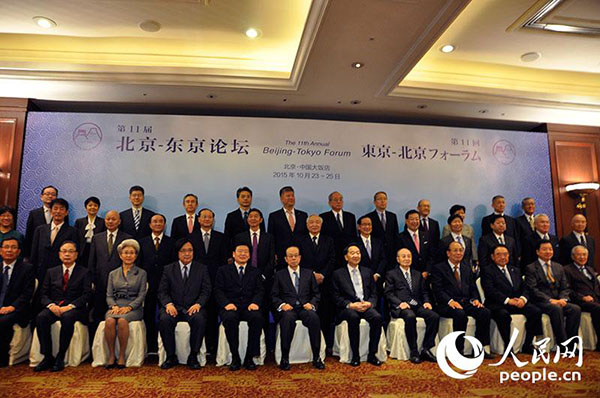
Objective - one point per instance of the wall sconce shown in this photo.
(580, 191)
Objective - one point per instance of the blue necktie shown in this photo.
(296, 281)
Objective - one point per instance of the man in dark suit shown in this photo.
(340, 225)
(575, 238)
(136, 220)
(183, 295)
(455, 222)
(184, 225)
(286, 224)
(87, 227)
(488, 242)
(239, 293)
(499, 205)
(430, 226)
(408, 296)
(417, 241)
(542, 228)
(210, 249)
(16, 290)
(458, 298)
(65, 295)
(525, 222)
(40, 216)
(506, 294)
(385, 226)
(236, 221)
(103, 259)
(355, 297)
(48, 238)
(549, 290)
(296, 297)
(372, 253)
(585, 286)
(156, 251)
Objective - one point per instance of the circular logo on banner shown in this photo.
(87, 136)
(504, 151)
(447, 352)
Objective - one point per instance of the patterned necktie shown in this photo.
(296, 281)
(190, 224)
(339, 222)
(137, 215)
(383, 220)
(425, 224)
(291, 220)
(582, 240)
(206, 241)
(368, 247)
(549, 273)
(459, 240)
(408, 279)
(111, 243)
(156, 243)
(357, 286)
(416, 241)
(507, 276)
(254, 250)
(185, 274)
(457, 276)
(66, 280)
(4, 286)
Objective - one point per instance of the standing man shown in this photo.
(156, 252)
(355, 297)
(456, 234)
(136, 220)
(184, 225)
(575, 238)
(237, 220)
(525, 222)
(296, 297)
(372, 253)
(417, 241)
(430, 226)
(499, 205)
(488, 242)
(40, 216)
(340, 225)
(286, 224)
(385, 225)
(542, 232)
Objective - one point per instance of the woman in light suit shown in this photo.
(125, 294)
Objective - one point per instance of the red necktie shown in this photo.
(66, 280)
(190, 224)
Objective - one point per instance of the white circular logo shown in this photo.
(447, 350)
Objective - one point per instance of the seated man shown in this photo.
(550, 291)
(183, 293)
(65, 293)
(296, 296)
(407, 294)
(354, 296)
(16, 290)
(506, 294)
(238, 292)
(458, 298)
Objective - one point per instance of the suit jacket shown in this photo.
(101, 262)
(266, 251)
(528, 252)
(397, 290)
(78, 289)
(279, 227)
(284, 292)
(497, 288)
(421, 260)
(35, 219)
(179, 227)
(80, 225)
(230, 289)
(343, 292)
(234, 224)
(540, 288)
(582, 286)
(320, 259)
(153, 261)
(433, 234)
(341, 237)
(197, 290)
(511, 227)
(443, 247)
(20, 287)
(45, 255)
(377, 261)
(523, 227)
(446, 288)
(567, 243)
(218, 250)
(389, 236)
(488, 243)
(128, 225)
(469, 233)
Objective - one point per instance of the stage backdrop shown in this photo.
(104, 154)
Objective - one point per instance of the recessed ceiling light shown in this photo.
(422, 106)
(357, 65)
(44, 22)
(252, 33)
(530, 57)
(149, 26)
(355, 102)
(448, 48)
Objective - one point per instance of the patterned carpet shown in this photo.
(393, 379)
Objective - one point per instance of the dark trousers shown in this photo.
(150, 310)
(565, 320)
(432, 323)
(353, 318)
(167, 324)
(67, 320)
(594, 309)
(502, 316)
(231, 321)
(287, 324)
(6, 333)
(460, 318)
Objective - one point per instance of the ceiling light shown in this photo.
(44, 22)
(355, 102)
(530, 57)
(448, 48)
(149, 26)
(252, 33)
(357, 65)
(583, 186)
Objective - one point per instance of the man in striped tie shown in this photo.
(136, 220)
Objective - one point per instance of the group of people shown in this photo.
(319, 269)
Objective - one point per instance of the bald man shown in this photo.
(577, 237)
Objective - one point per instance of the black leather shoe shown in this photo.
(415, 359)
(284, 364)
(121, 366)
(426, 355)
(372, 359)
(111, 365)
(235, 365)
(169, 363)
(318, 364)
(355, 361)
(488, 356)
(59, 365)
(193, 363)
(46, 364)
(249, 364)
